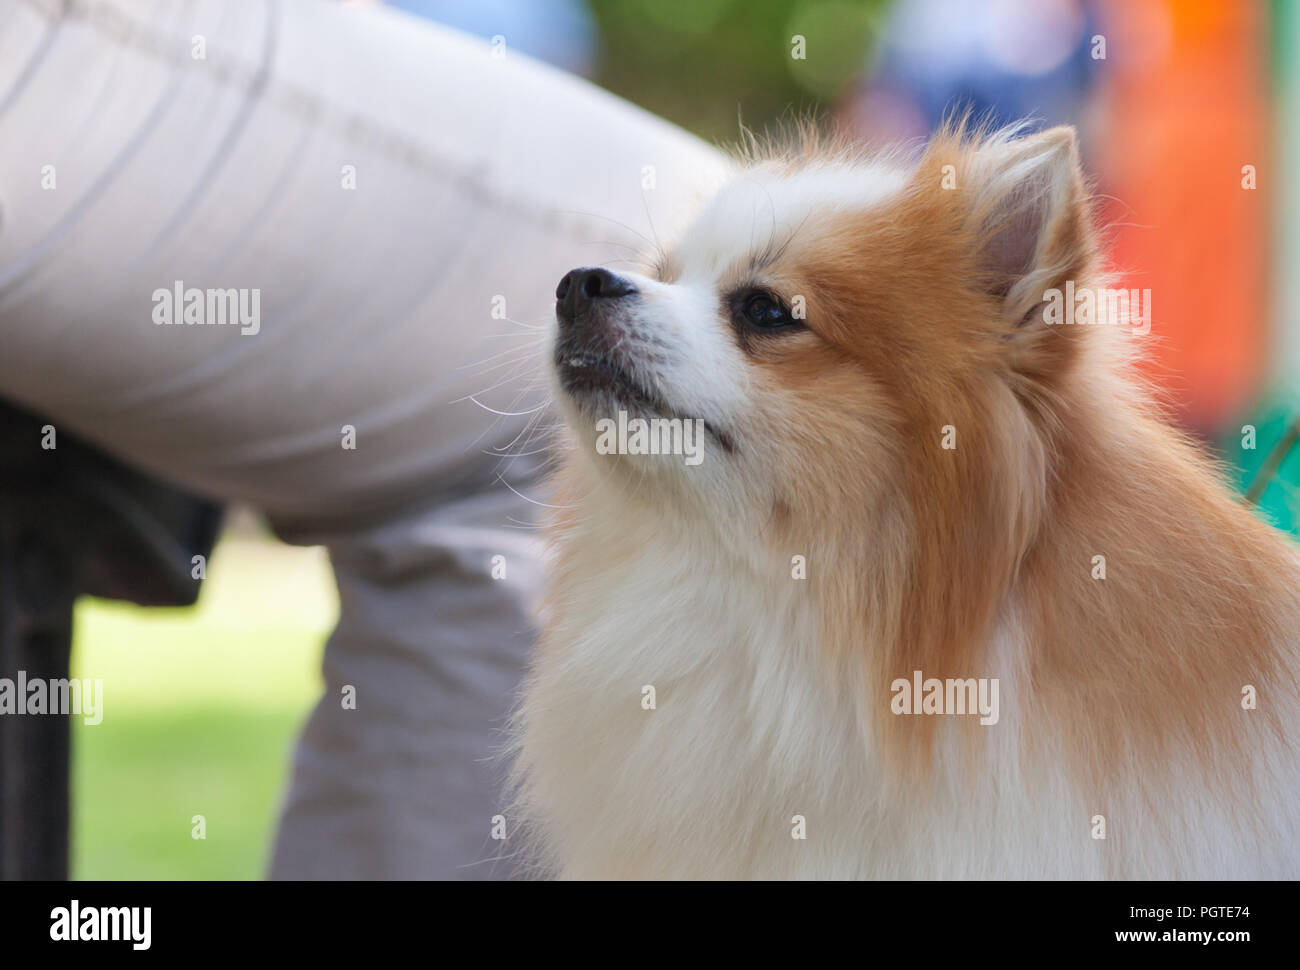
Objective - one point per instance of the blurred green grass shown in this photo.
(201, 706)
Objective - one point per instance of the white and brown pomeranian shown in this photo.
(936, 593)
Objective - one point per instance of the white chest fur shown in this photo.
(681, 723)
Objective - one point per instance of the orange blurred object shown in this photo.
(1187, 110)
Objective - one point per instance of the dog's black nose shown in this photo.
(581, 288)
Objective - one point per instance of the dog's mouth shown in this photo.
(594, 379)
(585, 375)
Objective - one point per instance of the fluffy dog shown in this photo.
(944, 597)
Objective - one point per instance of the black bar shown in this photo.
(980, 923)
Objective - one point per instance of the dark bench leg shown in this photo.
(36, 599)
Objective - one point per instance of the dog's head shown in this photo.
(845, 332)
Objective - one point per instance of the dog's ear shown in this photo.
(1028, 212)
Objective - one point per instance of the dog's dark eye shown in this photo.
(762, 311)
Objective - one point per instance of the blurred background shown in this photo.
(1189, 115)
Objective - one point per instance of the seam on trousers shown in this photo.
(229, 138)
